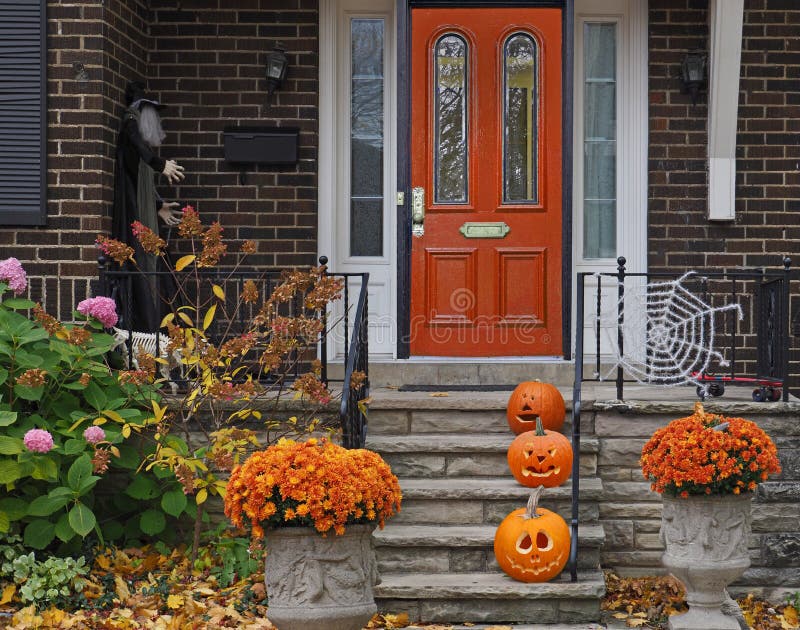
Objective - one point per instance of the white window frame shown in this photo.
(631, 18)
(334, 160)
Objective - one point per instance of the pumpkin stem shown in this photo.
(533, 501)
(539, 428)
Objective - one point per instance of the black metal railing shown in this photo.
(345, 324)
(752, 347)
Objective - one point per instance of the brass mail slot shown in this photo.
(484, 230)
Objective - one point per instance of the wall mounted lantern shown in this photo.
(693, 73)
(277, 63)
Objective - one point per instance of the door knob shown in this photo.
(418, 211)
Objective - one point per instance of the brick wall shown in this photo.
(207, 64)
(768, 143)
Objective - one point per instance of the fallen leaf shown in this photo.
(440, 395)
(8, 594)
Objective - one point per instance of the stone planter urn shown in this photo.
(706, 539)
(317, 582)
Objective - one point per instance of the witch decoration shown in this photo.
(136, 199)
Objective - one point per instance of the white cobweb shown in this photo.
(667, 333)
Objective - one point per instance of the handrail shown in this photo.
(576, 431)
(353, 416)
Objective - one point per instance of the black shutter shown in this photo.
(23, 113)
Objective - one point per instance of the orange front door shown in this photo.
(486, 182)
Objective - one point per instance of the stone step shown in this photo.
(460, 548)
(449, 455)
(397, 413)
(486, 500)
(491, 597)
(473, 372)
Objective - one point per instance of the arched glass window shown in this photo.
(520, 120)
(450, 120)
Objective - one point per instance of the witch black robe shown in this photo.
(140, 305)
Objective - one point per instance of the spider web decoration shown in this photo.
(668, 333)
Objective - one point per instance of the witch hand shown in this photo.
(173, 171)
(169, 214)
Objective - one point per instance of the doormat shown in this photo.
(456, 388)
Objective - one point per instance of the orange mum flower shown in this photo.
(314, 484)
(708, 454)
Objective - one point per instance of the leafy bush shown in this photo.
(53, 581)
(67, 417)
(238, 337)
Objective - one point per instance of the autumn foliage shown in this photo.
(314, 483)
(708, 454)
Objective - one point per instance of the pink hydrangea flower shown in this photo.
(103, 309)
(94, 434)
(11, 271)
(38, 441)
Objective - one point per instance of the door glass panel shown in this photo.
(366, 136)
(600, 140)
(450, 117)
(520, 143)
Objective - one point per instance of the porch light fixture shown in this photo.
(693, 73)
(277, 63)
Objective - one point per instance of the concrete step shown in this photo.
(486, 500)
(460, 548)
(392, 412)
(449, 455)
(473, 372)
(491, 597)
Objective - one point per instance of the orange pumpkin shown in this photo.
(532, 400)
(532, 543)
(540, 458)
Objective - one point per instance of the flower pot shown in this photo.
(317, 582)
(706, 540)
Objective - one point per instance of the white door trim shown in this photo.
(631, 16)
(334, 160)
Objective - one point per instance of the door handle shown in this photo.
(418, 211)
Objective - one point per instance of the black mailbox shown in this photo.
(261, 145)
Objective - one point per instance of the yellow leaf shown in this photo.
(175, 601)
(98, 421)
(121, 587)
(103, 561)
(167, 319)
(158, 411)
(108, 413)
(8, 593)
(635, 623)
(201, 497)
(209, 316)
(126, 431)
(439, 395)
(620, 616)
(186, 319)
(114, 451)
(218, 291)
(184, 261)
(791, 616)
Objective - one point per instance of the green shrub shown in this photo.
(66, 418)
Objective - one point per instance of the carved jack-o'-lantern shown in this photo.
(540, 458)
(532, 400)
(532, 543)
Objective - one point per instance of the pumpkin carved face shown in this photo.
(532, 400)
(532, 544)
(540, 458)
